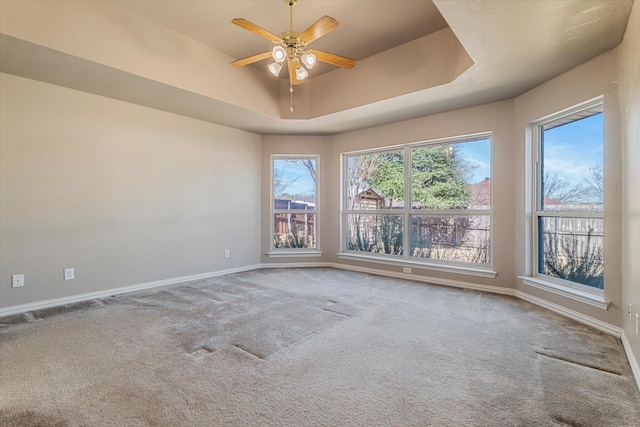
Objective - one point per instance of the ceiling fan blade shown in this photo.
(292, 74)
(333, 59)
(241, 22)
(251, 59)
(321, 27)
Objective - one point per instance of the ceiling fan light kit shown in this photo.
(292, 48)
(279, 54)
(275, 68)
(301, 73)
(308, 59)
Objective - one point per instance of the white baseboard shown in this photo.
(386, 273)
(587, 320)
(635, 368)
(295, 264)
(425, 279)
(38, 305)
(397, 275)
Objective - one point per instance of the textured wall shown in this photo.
(307, 145)
(122, 193)
(589, 80)
(495, 117)
(629, 88)
(511, 171)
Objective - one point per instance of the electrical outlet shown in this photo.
(227, 253)
(17, 280)
(406, 270)
(69, 274)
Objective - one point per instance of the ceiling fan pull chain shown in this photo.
(291, 96)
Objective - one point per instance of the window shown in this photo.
(294, 207)
(427, 203)
(569, 198)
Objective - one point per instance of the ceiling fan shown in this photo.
(292, 47)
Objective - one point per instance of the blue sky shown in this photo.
(478, 155)
(297, 176)
(569, 150)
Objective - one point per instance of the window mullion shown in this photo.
(570, 214)
(444, 236)
(406, 229)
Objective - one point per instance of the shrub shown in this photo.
(575, 259)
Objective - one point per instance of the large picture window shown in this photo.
(425, 203)
(294, 207)
(569, 198)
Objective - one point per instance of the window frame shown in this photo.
(558, 285)
(407, 212)
(293, 252)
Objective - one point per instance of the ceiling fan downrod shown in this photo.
(291, 48)
(291, 3)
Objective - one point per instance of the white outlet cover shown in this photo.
(17, 280)
(69, 274)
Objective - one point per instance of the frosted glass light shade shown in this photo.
(275, 68)
(279, 54)
(309, 60)
(301, 73)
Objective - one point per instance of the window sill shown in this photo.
(470, 271)
(294, 254)
(596, 300)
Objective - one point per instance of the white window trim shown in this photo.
(479, 270)
(427, 265)
(566, 288)
(294, 252)
(585, 296)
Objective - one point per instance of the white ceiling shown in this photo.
(515, 45)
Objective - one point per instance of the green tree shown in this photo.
(387, 176)
(438, 177)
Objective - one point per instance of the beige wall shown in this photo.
(122, 193)
(629, 94)
(495, 117)
(508, 120)
(589, 80)
(126, 194)
(301, 145)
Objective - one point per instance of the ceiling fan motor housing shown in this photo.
(290, 41)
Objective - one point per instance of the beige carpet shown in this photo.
(310, 347)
